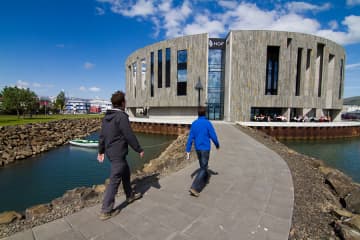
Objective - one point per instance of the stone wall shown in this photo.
(22, 141)
(309, 133)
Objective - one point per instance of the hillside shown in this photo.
(352, 101)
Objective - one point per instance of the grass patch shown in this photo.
(11, 120)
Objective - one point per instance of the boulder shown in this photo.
(341, 213)
(353, 200)
(37, 211)
(339, 182)
(346, 232)
(8, 217)
(99, 188)
(353, 222)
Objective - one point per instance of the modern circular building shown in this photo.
(246, 74)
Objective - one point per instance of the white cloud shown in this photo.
(228, 4)
(89, 65)
(333, 25)
(94, 89)
(353, 66)
(352, 2)
(22, 84)
(36, 85)
(192, 17)
(82, 88)
(99, 11)
(60, 45)
(202, 24)
(298, 7)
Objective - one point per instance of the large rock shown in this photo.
(8, 217)
(346, 232)
(76, 196)
(37, 211)
(353, 200)
(339, 182)
(354, 222)
(99, 188)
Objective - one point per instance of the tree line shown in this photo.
(26, 102)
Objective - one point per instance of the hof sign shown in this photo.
(216, 43)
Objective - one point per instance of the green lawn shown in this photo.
(7, 120)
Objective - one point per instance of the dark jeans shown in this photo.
(120, 171)
(202, 175)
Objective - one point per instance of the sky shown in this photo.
(80, 46)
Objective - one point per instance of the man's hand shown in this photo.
(100, 157)
(142, 154)
(187, 156)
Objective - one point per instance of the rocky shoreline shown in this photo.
(23, 141)
(326, 204)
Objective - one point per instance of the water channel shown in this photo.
(343, 154)
(47, 176)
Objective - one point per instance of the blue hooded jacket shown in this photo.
(201, 132)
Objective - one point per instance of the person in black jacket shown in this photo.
(115, 136)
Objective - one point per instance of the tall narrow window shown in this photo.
(167, 67)
(341, 77)
(319, 66)
(134, 68)
(272, 70)
(181, 72)
(160, 68)
(298, 72)
(143, 74)
(152, 74)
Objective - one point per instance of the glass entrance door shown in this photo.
(215, 103)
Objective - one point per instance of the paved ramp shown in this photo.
(251, 197)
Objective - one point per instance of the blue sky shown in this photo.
(81, 46)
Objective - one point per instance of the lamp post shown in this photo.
(198, 87)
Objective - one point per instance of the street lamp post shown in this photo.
(198, 87)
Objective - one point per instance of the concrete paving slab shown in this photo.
(51, 230)
(26, 235)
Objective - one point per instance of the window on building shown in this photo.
(167, 67)
(134, 68)
(152, 74)
(272, 70)
(298, 72)
(160, 68)
(143, 74)
(319, 66)
(181, 72)
(341, 77)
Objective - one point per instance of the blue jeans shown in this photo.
(203, 175)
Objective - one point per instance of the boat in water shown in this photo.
(84, 143)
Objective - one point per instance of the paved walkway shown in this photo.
(251, 197)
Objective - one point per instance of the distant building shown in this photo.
(99, 106)
(246, 74)
(79, 105)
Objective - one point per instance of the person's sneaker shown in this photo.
(106, 216)
(193, 192)
(134, 196)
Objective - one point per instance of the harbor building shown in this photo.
(246, 74)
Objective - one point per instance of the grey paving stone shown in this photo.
(118, 233)
(89, 225)
(26, 235)
(70, 234)
(143, 228)
(49, 230)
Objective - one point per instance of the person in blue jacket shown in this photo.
(201, 132)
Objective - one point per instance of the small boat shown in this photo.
(84, 143)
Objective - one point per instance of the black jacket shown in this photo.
(116, 134)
